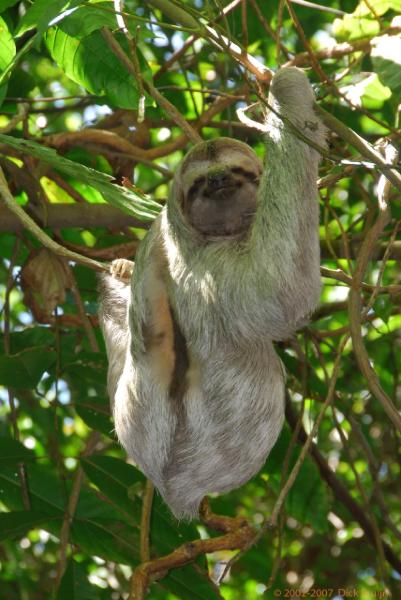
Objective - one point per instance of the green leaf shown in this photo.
(376, 7)
(375, 93)
(128, 201)
(41, 13)
(188, 583)
(13, 452)
(90, 63)
(115, 478)
(90, 17)
(383, 307)
(96, 416)
(4, 4)
(75, 585)
(7, 45)
(385, 58)
(353, 28)
(307, 500)
(7, 53)
(25, 370)
(45, 490)
(118, 481)
(16, 523)
(107, 538)
(86, 19)
(32, 336)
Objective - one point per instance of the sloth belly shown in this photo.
(214, 437)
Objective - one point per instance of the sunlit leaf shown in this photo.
(353, 28)
(122, 197)
(386, 58)
(41, 13)
(91, 63)
(7, 52)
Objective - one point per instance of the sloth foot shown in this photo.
(122, 269)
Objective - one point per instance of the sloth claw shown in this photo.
(122, 269)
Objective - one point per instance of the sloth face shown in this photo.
(219, 183)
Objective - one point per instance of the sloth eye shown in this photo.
(195, 186)
(247, 174)
(198, 181)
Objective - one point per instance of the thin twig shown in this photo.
(178, 14)
(22, 112)
(156, 95)
(342, 494)
(365, 500)
(71, 508)
(322, 7)
(10, 393)
(355, 308)
(360, 144)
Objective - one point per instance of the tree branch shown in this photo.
(43, 238)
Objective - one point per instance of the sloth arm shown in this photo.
(286, 229)
(156, 337)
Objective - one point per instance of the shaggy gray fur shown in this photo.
(226, 301)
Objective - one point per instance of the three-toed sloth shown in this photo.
(230, 265)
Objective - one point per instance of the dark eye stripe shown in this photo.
(247, 174)
(199, 181)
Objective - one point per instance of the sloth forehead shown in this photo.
(236, 156)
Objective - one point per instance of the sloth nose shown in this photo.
(218, 180)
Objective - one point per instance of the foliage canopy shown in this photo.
(86, 134)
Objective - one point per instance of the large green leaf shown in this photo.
(7, 45)
(308, 499)
(16, 523)
(45, 490)
(13, 452)
(130, 202)
(189, 583)
(6, 4)
(96, 527)
(96, 415)
(120, 483)
(107, 538)
(91, 63)
(86, 19)
(25, 369)
(41, 13)
(7, 53)
(75, 585)
(116, 479)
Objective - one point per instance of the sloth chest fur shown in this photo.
(221, 307)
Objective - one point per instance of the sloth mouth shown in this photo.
(228, 231)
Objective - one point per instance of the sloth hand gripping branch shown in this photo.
(230, 265)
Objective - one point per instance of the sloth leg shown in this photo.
(115, 292)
